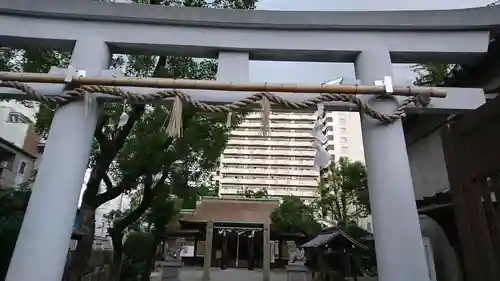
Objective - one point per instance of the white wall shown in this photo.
(349, 130)
(446, 260)
(428, 167)
(12, 132)
(355, 137)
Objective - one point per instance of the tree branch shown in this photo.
(102, 140)
(107, 181)
(137, 112)
(107, 155)
(129, 181)
(147, 198)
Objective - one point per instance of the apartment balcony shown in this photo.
(267, 181)
(272, 192)
(270, 143)
(267, 171)
(256, 161)
(283, 116)
(236, 151)
(247, 124)
(257, 133)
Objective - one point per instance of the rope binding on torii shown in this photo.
(418, 96)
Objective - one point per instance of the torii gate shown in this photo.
(372, 40)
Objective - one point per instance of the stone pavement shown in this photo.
(232, 274)
(241, 274)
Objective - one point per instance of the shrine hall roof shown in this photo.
(233, 210)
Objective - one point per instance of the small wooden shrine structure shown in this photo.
(333, 253)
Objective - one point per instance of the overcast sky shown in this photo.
(292, 72)
(368, 5)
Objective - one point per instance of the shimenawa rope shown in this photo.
(174, 128)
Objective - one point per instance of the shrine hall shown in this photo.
(235, 232)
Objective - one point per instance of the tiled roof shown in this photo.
(327, 237)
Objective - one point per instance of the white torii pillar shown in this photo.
(398, 241)
(44, 239)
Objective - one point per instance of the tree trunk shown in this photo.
(117, 239)
(81, 256)
(150, 261)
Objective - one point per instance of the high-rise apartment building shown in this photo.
(283, 162)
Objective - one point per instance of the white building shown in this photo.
(19, 148)
(282, 162)
(343, 131)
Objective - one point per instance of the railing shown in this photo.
(269, 152)
(265, 181)
(271, 143)
(285, 116)
(306, 172)
(230, 160)
(271, 134)
(276, 125)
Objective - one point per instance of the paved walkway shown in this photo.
(232, 274)
(241, 274)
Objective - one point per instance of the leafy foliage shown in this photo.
(13, 203)
(433, 74)
(343, 196)
(135, 256)
(135, 243)
(293, 216)
(138, 157)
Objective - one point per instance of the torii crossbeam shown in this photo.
(371, 40)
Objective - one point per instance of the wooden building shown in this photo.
(234, 232)
(469, 147)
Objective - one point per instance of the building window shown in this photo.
(17, 117)
(343, 139)
(342, 121)
(343, 130)
(345, 149)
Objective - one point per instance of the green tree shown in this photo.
(110, 161)
(135, 256)
(152, 209)
(13, 203)
(140, 148)
(204, 138)
(343, 194)
(433, 74)
(293, 216)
